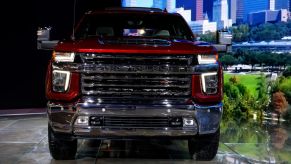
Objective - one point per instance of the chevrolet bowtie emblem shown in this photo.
(165, 82)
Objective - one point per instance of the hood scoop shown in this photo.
(135, 41)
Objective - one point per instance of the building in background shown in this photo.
(196, 7)
(208, 8)
(251, 6)
(161, 4)
(220, 14)
(203, 26)
(239, 11)
(272, 4)
(185, 13)
(284, 15)
(137, 3)
(128, 3)
(272, 16)
(233, 10)
(170, 5)
(282, 4)
(191, 10)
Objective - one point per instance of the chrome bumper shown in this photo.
(62, 118)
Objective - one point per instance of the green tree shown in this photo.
(262, 32)
(227, 60)
(260, 57)
(266, 32)
(240, 33)
(270, 31)
(208, 37)
(270, 60)
(282, 60)
(285, 87)
(228, 107)
(250, 58)
(238, 102)
(263, 98)
(287, 72)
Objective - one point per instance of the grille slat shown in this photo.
(135, 86)
(106, 93)
(126, 122)
(98, 57)
(96, 78)
(136, 75)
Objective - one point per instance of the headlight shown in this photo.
(209, 82)
(207, 59)
(61, 80)
(63, 56)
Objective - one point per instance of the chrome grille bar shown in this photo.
(136, 59)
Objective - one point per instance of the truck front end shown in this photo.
(142, 83)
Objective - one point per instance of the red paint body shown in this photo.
(91, 45)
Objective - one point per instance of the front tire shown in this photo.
(204, 148)
(61, 149)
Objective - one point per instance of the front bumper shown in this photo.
(62, 119)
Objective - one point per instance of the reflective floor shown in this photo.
(24, 140)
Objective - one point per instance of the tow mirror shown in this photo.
(44, 41)
(224, 41)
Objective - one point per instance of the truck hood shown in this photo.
(101, 46)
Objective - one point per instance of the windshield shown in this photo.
(134, 25)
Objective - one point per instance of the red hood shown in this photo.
(175, 47)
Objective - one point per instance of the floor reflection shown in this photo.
(24, 140)
(151, 149)
(266, 142)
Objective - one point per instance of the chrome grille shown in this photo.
(123, 75)
(128, 122)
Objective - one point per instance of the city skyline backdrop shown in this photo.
(212, 15)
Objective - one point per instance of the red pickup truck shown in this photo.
(134, 73)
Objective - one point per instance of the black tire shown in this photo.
(61, 149)
(204, 148)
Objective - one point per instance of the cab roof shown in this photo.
(143, 10)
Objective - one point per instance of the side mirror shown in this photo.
(44, 41)
(224, 41)
(224, 37)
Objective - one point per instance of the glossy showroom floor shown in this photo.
(24, 140)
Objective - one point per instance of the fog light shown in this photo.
(82, 120)
(96, 121)
(175, 122)
(188, 122)
(60, 80)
